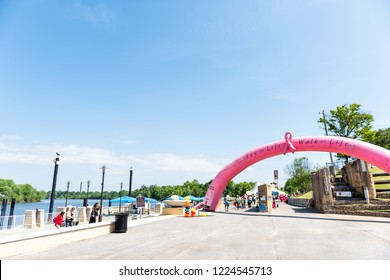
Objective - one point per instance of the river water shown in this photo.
(20, 208)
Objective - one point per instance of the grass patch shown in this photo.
(381, 178)
(306, 195)
(377, 170)
(382, 186)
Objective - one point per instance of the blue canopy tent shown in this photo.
(180, 198)
(195, 198)
(278, 192)
(124, 199)
(150, 200)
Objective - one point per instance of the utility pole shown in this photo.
(332, 171)
(326, 133)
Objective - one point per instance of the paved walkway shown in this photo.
(288, 232)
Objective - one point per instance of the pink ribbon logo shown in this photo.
(288, 145)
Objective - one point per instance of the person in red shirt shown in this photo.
(59, 219)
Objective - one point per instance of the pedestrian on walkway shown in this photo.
(59, 219)
(227, 204)
(70, 216)
(238, 201)
(243, 202)
(94, 213)
(249, 202)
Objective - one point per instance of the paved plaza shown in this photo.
(287, 233)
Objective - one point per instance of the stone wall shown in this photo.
(358, 175)
(300, 202)
(322, 189)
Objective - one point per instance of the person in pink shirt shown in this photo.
(59, 219)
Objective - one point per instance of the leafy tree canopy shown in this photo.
(300, 176)
(349, 121)
(381, 138)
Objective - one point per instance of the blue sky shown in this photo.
(179, 89)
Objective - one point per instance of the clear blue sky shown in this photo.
(178, 89)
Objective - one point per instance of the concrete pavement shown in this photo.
(287, 233)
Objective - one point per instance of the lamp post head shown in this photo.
(104, 167)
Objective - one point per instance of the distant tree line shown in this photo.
(160, 192)
(21, 192)
(26, 193)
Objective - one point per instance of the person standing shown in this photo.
(226, 203)
(249, 202)
(94, 213)
(238, 202)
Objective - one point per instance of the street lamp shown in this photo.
(86, 199)
(53, 188)
(81, 185)
(130, 180)
(120, 198)
(67, 191)
(66, 202)
(143, 190)
(101, 192)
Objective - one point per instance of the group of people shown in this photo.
(242, 201)
(70, 216)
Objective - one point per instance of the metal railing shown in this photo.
(46, 220)
(11, 222)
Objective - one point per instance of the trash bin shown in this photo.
(121, 222)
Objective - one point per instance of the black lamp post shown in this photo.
(120, 198)
(143, 190)
(101, 193)
(81, 185)
(53, 188)
(130, 180)
(66, 202)
(86, 199)
(67, 191)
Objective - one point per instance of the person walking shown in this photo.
(227, 204)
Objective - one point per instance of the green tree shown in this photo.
(300, 176)
(22, 193)
(382, 138)
(349, 121)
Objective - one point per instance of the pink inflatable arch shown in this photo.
(373, 154)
